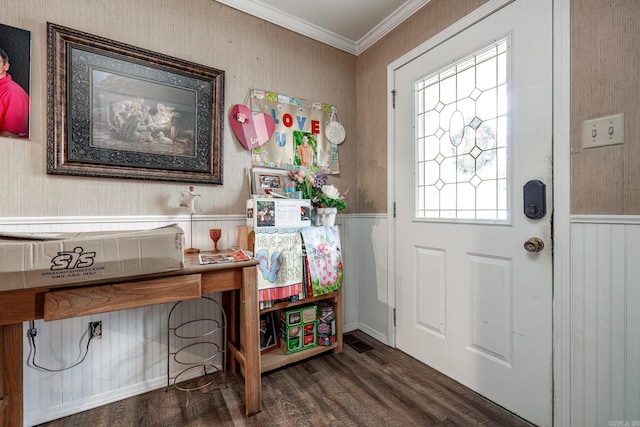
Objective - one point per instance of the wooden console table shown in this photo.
(74, 300)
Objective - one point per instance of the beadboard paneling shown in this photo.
(605, 321)
(364, 239)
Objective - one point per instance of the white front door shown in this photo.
(472, 125)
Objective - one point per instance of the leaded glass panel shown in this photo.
(461, 139)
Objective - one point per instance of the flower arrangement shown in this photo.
(313, 185)
(330, 198)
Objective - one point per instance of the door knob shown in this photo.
(534, 244)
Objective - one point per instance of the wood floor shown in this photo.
(378, 387)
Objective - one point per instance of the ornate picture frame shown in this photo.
(119, 111)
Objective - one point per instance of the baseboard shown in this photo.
(95, 401)
(53, 413)
(371, 332)
(349, 327)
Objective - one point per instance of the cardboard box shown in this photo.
(30, 260)
(245, 237)
(280, 213)
(298, 329)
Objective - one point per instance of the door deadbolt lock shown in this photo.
(534, 244)
(535, 199)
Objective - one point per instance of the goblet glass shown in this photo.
(215, 234)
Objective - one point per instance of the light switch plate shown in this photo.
(603, 131)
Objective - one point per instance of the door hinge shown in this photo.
(393, 100)
(394, 209)
(394, 317)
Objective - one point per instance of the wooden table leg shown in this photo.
(250, 339)
(11, 388)
(230, 307)
(338, 312)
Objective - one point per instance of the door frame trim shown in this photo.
(561, 303)
(561, 331)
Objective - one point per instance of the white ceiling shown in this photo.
(349, 25)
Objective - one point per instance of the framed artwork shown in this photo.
(119, 111)
(263, 178)
(15, 49)
(268, 332)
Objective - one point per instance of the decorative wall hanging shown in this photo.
(252, 130)
(334, 131)
(120, 111)
(298, 139)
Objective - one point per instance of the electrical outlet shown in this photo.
(603, 131)
(95, 329)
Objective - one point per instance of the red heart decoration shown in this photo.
(252, 130)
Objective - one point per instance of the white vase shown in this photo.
(326, 216)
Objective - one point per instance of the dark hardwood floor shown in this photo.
(378, 387)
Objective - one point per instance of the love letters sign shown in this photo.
(275, 126)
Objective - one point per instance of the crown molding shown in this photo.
(388, 24)
(290, 22)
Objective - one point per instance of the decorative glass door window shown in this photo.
(461, 140)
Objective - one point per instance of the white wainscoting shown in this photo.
(364, 239)
(605, 321)
(131, 357)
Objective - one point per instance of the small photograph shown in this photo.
(268, 336)
(305, 146)
(266, 214)
(270, 181)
